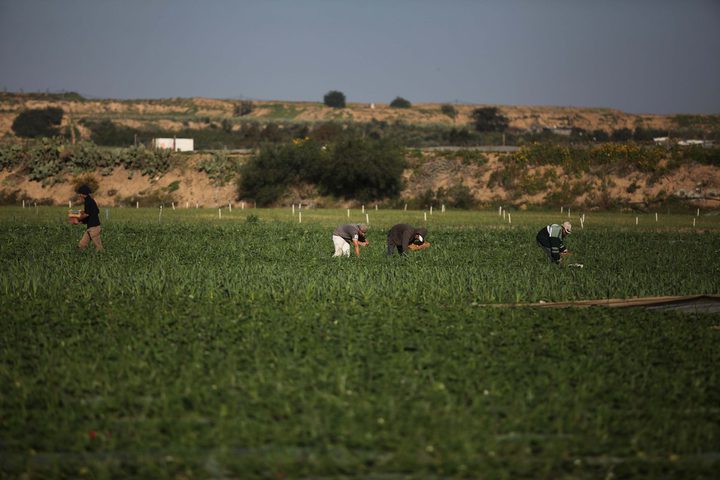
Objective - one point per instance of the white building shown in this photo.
(174, 144)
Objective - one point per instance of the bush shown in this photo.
(489, 119)
(449, 110)
(269, 174)
(219, 167)
(243, 108)
(352, 168)
(334, 99)
(400, 102)
(106, 133)
(35, 123)
(363, 169)
(621, 135)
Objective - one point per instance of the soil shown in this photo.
(698, 183)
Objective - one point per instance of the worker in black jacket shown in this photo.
(403, 237)
(552, 240)
(90, 216)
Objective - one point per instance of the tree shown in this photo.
(621, 135)
(41, 122)
(489, 119)
(400, 102)
(363, 169)
(334, 99)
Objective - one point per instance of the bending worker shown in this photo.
(344, 235)
(551, 240)
(403, 237)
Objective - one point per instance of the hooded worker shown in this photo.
(403, 237)
(346, 235)
(552, 240)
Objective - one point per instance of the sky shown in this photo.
(639, 56)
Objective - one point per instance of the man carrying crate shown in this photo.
(90, 216)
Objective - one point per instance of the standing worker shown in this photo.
(403, 237)
(551, 240)
(344, 235)
(90, 216)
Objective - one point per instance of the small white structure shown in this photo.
(174, 144)
(687, 143)
(661, 140)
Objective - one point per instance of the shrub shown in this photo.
(363, 169)
(219, 167)
(243, 108)
(352, 168)
(35, 123)
(11, 155)
(334, 99)
(106, 133)
(489, 119)
(267, 175)
(621, 135)
(400, 102)
(449, 110)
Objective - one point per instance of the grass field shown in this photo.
(196, 346)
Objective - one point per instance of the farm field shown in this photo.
(206, 344)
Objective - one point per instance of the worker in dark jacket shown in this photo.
(552, 240)
(90, 216)
(403, 237)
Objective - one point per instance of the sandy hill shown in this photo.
(200, 113)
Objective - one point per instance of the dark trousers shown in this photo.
(391, 246)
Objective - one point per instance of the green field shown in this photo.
(196, 346)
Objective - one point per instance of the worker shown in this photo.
(552, 240)
(90, 216)
(350, 234)
(403, 237)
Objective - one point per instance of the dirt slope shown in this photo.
(198, 113)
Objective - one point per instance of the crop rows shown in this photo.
(195, 346)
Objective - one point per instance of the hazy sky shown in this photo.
(641, 56)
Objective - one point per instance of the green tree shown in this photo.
(400, 102)
(621, 135)
(40, 122)
(363, 169)
(489, 119)
(334, 99)
(267, 175)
